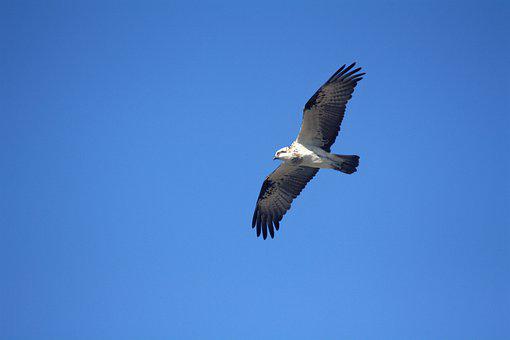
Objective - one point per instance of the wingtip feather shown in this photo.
(336, 73)
(264, 227)
(271, 228)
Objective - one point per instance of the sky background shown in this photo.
(135, 137)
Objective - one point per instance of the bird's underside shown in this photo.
(315, 157)
(322, 117)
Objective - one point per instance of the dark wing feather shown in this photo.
(324, 112)
(276, 195)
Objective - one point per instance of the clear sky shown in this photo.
(135, 138)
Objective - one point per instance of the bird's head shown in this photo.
(282, 154)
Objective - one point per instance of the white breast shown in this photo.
(312, 156)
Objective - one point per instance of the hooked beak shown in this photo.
(274, 158)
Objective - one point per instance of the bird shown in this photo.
(311, 151)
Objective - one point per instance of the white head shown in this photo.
(283, 154)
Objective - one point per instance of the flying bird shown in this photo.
(322, 116)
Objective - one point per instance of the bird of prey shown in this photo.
(322, 117)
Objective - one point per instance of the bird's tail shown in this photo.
(344, 163)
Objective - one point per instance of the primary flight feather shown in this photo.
(322, 117)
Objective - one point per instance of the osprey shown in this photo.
(322, 117)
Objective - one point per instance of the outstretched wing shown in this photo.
(324, 112)
(277, 193)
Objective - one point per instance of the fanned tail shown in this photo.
(345, 163)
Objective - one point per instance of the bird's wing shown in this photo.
(323, 113)
(277, 193)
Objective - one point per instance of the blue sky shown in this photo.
(135, 138)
